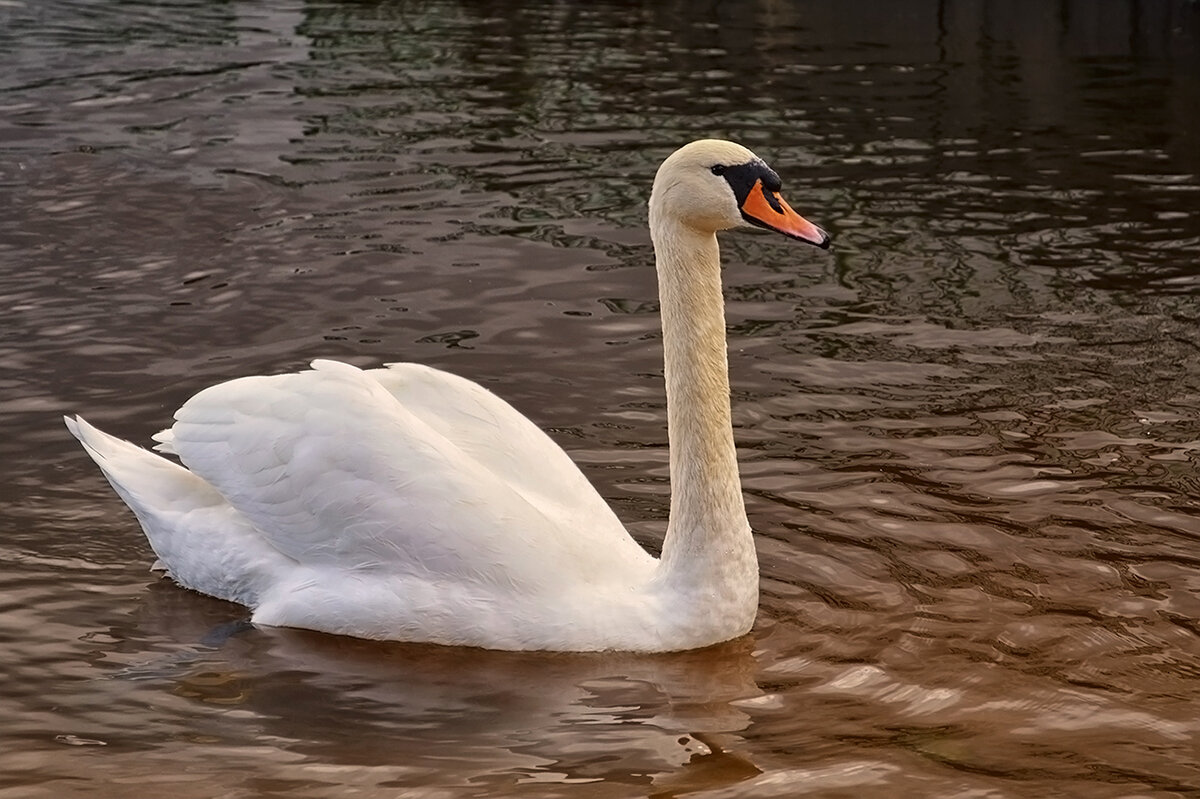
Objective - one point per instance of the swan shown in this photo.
(407, 503)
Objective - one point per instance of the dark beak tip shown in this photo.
(823, 243)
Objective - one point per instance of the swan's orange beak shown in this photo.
(770, 210)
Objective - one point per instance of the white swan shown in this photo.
(407, 503)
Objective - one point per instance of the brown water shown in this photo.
(969, 433)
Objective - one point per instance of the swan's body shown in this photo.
(406, 503)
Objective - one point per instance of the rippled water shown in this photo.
(969, 433)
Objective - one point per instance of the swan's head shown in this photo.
(712, 185)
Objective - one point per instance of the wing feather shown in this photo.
(497, 435)
(408, 469)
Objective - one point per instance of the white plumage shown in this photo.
(407, 503)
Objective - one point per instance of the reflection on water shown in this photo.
(968, 433)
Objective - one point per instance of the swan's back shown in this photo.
(408, 471)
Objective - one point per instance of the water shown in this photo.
(969, 433)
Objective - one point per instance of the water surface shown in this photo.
(968, 433)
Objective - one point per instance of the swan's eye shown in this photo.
(719, 169)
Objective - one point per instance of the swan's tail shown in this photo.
(201, 541)
(148, 483)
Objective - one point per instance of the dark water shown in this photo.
(969, 433)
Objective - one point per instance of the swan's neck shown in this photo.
(708, 543)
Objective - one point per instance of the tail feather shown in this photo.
(202, 542)
(147, 482)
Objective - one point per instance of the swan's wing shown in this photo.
(334, 471)
(497, 435)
